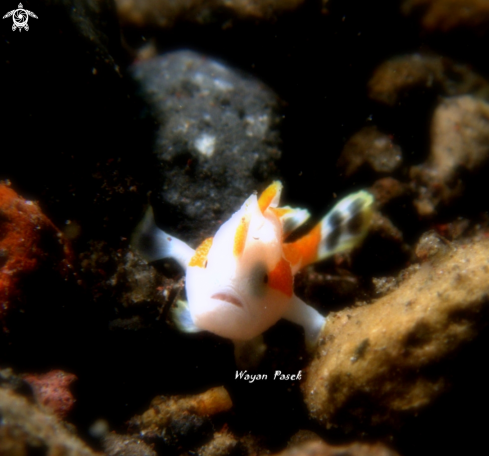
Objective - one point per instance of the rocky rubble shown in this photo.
(377, 363)
(459, 143)
(320, 448)
(26, 429)
(445, 16)
(190, 107)
(395, 80)
(167, 14)
(52, 391)
(30, 246)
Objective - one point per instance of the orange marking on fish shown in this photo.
(281, 278)
(200, 257)
(240, 237)
(305, 249)
(268, 195)
(280, 211)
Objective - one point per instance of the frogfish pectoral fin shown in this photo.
(307, 317)
(154, 244)
(290, 218)
(181, 317)
(343, 228)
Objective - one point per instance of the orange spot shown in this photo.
(304, 249)
(281, 278)
(240, 237)
(268, 195)
(200, 255)
(281, 211)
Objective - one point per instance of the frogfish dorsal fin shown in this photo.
(270, 197)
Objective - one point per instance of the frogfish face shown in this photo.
(229, 292)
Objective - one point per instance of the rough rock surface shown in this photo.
(25, 429)
(382, 362)
(126, 445)
(447, 15)
(51, 390)
(387, 189)
(30, 245)
(369, 148)
(75, 139)
(165, 14)
(217, 140)
(137, 291)
(394, 79)
(182, 419)
(320, 448)
(459, 142)
(223, 444)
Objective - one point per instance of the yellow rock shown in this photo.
(382, 362)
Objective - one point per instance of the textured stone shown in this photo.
(30, 245)
(459, 142)
(380, 363)
(394, 79)
(217, 140)
(178, 419)
(126, 445)
(51, 390)
(167, 13)
(223, 444)
(320, 448)
(447, 15)
(372, 149)
(136, 290)
(25, 429)
(387, 189)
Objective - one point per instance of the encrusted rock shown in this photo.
(223, 444)
(459, 141)
(165, 14)
(126, 445)
(138, 292)
(385, 245)
(387, 189)
(9, 379)
(394, 79)
(217, 142)
(320, 448)
(380, 363)
(430, 245)
(384, 228)
(384, 285)
(25, 429)
(30, 245)
(372, 149)
(51, 390)
(182, 418)
(444, 16)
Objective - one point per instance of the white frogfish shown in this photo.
(241, 282)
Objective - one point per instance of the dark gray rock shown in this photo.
(217, 139)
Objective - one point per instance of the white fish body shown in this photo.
(240, 282)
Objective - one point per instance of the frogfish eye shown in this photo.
(257, 278)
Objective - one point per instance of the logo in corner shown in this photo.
(20, 17)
